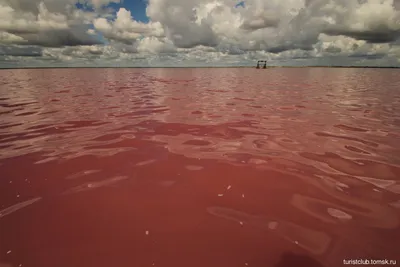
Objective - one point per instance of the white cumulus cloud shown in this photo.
(201, 32)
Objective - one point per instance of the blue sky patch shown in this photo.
(240, 4)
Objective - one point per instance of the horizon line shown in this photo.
(195, 67)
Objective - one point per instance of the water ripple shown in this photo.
(313, 163)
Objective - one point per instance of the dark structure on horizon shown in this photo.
(260, 62)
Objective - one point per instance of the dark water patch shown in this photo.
(62, 92)
(10, 125)
(197, 143)
(324, 134)
(25, 114)
(17, 105)
(355, 149)
(350, 128)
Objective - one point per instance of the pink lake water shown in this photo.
(199, 167)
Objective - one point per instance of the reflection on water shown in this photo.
(18, 206)
(223, 167)
(310, 240)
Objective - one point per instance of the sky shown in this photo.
(190, 33)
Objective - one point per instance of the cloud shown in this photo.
(201, 32)
(9, 38)
(373, 21)
(183, 22)
(260, 23)
(14, 21)
(101, 3)
(350, 47)
(19, 51)
(59, 38)
(34, 23)
(125, 29)
(155, 46)
(372, 36)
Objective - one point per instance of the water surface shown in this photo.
(198, 167)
